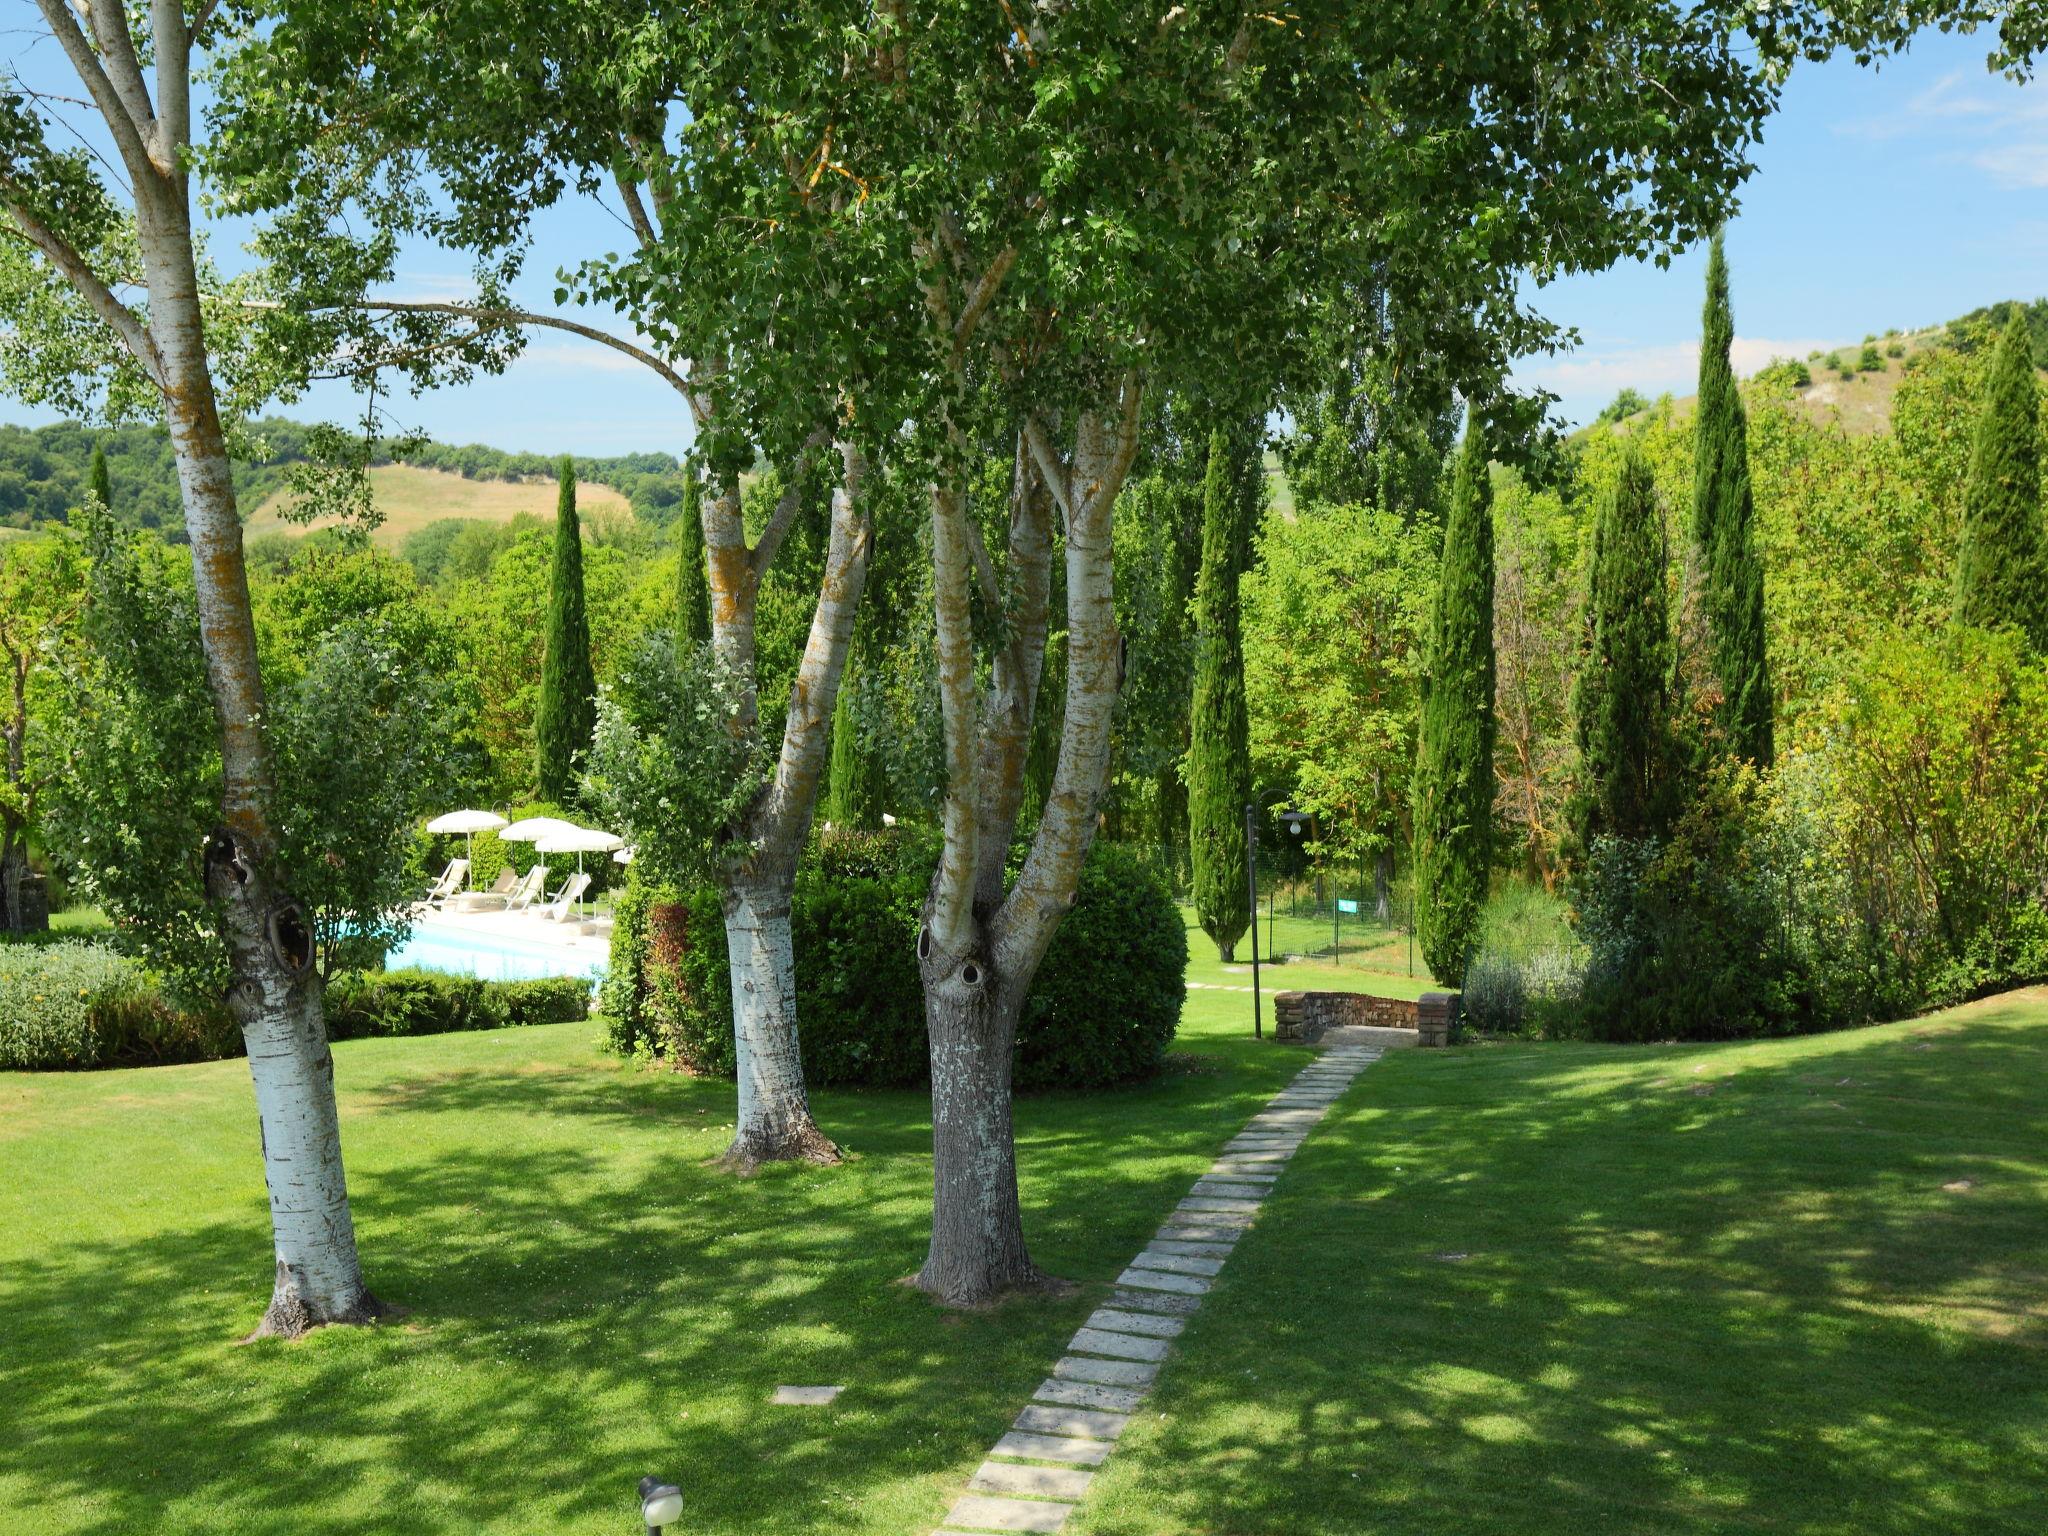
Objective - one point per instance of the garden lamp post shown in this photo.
(660, 1504)
(1296, 823)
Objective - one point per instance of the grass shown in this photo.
(1792, 1287)
(1375, 959)
(410, 498)
(588, 1300)
(1787, 1287)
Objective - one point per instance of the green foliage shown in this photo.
(68, 1004)
(1723, 532)
(365, 724)
(693, 583)
(857, 789)
(1630, 402)
(1454, 783)
(2002, 561)
(1620, 703)
(1785, 373)
(1869, 360)
(413, 1002)
(1219, 752)
(1975, 329)
(1689, 937)
(567, 715)
(1102, 1008)
(666, 768)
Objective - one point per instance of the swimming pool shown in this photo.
(463, 951)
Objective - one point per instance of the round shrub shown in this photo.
(1104, 1005)
(1107, 1000)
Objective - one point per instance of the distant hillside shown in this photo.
(43, 472)
(1852, 385)
(410, 498)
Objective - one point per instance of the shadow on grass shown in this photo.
(1789, 1287)
(587, 1301)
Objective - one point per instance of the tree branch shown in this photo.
(508, 319)
(112, 107)
(982, 295)
(636, 210)
(78, 272)
(1050, 464)
(173, 80)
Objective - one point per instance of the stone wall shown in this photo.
(1305, 1015)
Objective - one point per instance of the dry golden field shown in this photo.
(411, 498)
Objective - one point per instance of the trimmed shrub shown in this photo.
(366, 1003)
(1105, 1003)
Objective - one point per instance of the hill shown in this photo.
(43, 473)
(410, 498)
(1851, 387)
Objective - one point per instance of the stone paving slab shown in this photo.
(1178, 1263)
(1087, 1394)
(1135, 1322)
(1215, 1237)
(1084, 1405)
(1032, 1482)
(1085, 1453)
(1124, 1346)
(1072, 1423)
(1160, 1280)
(1154, 1301)
(1104, 1373)
(977, 1513)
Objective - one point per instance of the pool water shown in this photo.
(465, 952)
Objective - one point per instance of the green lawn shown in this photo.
(1379, 965)
(588, 1301)
(1509, 1289)
(1794, 1287)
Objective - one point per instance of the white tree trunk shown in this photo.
(774, 1118)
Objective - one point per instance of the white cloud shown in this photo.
(2022, 165)
(1653, 369)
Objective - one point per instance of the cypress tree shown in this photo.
(1454, 755)
(1724, 533)
(693, 586)
(858, 785)
(1620, 702)
(98, 481)
(2002, 562)
(568, 687)
(1219, 748)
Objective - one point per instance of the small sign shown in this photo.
(1347, 906)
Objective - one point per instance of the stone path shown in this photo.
(1036, 1474)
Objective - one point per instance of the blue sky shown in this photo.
(1893, 197)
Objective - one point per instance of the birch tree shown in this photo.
(391, 118)
(100, 255)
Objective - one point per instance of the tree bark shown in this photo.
(979, 948)
(276, 994)
(774, 1120)
(978, 1252)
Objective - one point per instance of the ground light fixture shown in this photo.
(660, 1504)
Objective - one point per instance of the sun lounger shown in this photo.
(527, 892)
(558, 909)
(449, 883)
(506, 883)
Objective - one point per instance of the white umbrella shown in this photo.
(534, 828)
(579, 841)
(468, 823)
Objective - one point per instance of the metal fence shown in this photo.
(1339, 920)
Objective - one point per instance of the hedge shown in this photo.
(1103, 1008)
(75, 1005)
